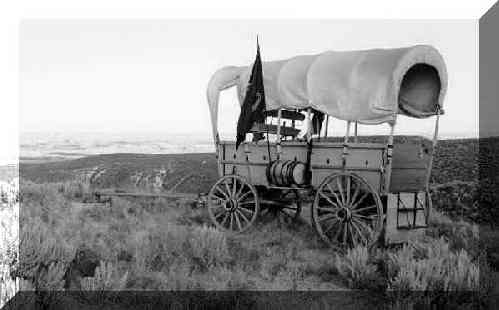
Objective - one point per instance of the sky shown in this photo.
(151, 75)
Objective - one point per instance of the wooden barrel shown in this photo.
(286, 173)
(299, 173)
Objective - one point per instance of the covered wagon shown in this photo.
(361, 189)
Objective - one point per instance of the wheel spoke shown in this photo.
(225, 219)
(338, 232)
(238, 222)
(227, 187)
(218, 214)
(364, 239)
(349, 185)
(334, 193)
(215, 196)
(363, 225)
(243, 185)
(247, 210)
(244, 196)
(242, 215)
(345, 229)
(246, 202)
(326, 217)
(234, 186)
(354, 205)
(336, 221)
(352, 235)
(370, 217)
(231, 220)
(328, 210)
(355, 193)
(364, 209)
(340, 188)
(222, 192)
(329, 200)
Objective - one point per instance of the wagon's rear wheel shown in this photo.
(346, 210)
(233, 204)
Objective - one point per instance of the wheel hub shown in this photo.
(344, 214)
(230, 205)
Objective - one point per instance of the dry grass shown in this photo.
(9, 241)
(160, 245)
(164, 245)
(356, 266)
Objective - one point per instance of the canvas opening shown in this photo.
(420, 91)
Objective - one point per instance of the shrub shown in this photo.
(436, 269)
(459, 235)
(355, 266)
(155, 249)
(178, 277)
(207, 247)
(39, 248)
(51, 278)
(463, 273)
(107, 278)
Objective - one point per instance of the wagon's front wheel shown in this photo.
(346, 210)
(233, 204)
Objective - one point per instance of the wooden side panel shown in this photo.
(372, 177)
(251, 160)
(364, 162)
(410, 161)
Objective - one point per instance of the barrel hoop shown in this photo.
(281, 175)
(285, 172)
(289, 172)
(274, 168)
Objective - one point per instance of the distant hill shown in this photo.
(455, 159)
(186, 172)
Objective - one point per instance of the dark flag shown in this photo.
(253, 108)
(317, 120)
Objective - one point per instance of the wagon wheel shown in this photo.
(347, 210)
(233, 204)
(285, 207)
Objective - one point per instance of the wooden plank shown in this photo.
(316, 144)
(272, 129)
(348, 168)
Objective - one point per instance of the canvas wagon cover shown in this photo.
(364, 86)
